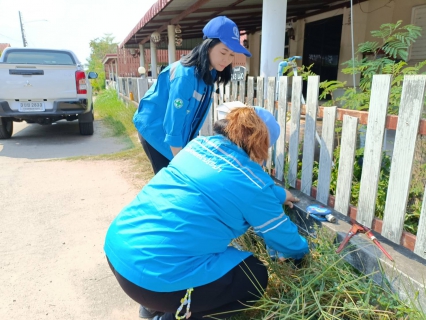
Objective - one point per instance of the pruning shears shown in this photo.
(359, 228)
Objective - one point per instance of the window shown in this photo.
(39, 57)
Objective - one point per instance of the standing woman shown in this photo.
(173, 110)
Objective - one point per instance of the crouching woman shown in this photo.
(170, 247)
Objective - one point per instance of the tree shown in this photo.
(99, 48)
(387, 55)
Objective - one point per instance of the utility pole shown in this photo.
(24, 41)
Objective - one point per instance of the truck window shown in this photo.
(39, 57)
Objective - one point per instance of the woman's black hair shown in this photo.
(219, 127)
(199, 57)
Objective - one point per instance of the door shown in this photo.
(322, 47)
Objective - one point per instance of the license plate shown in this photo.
(31, 106)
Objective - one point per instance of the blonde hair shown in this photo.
(248, 131)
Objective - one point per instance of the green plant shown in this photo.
(387, 55)
(325, 287)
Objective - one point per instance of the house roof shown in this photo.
(192, 15)
(109, 57)
(4, 46)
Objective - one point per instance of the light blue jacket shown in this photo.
(169, 111)
(176, 233)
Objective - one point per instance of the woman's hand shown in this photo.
(290, 199)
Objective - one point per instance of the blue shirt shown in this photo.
(172, 110)
(176, 233)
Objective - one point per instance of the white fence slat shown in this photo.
(242, 90)
(282, 120)
(234, 90)
(293, 151)
(259, 95)
(270, 106)
(420, 247)
(250, 90)
(228, 92)
(410, 109)
(373, 149)
(221, 93)
(326, 154)
(346, 164)
(309, 137)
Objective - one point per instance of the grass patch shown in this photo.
(325, 287)
(118, 116)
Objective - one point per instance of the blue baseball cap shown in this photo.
(272, 124)
(227, 32)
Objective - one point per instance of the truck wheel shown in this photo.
(6, 128)
(86, 128)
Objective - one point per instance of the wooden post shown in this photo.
(270, 106)
(326, 154)
(346, 164)
(420, 247)
(293, 151)
(250, 90)
(282, 120)
(410, 109)
(373, 149)
(260, 96)
(309, 138)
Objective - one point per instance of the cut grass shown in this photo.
(325, 287)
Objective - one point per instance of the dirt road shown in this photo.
(54, 215)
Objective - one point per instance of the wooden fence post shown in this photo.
(420, 247)
(293, 151)
(250, 90)
(326, 154)
(260, 97)
(346, 164)
(270, 106)
(373, 149)
(309, 136)
(410, 109)
(282, 120)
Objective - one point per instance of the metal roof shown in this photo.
(192, 15)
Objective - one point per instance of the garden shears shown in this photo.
(359, 228)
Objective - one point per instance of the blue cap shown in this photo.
(227, 32)
(271, 124)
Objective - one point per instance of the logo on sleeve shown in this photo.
(178, 103)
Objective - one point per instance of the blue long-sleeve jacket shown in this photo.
(176, 233)
(174, 108)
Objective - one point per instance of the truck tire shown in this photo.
(86, 128)
(6, 128)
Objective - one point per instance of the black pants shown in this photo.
(238, 289)
(158, 161)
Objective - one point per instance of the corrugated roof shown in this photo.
(192, 15)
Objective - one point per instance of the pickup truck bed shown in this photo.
(44, 86)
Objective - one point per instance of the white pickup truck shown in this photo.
(44, 86)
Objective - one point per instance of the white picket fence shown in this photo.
(410, 111)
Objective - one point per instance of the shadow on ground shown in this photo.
(60, 140)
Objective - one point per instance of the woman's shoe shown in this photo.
(148, 313)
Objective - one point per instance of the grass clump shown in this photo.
(324, 287)
(118, 116)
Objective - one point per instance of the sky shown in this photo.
(69, 24)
